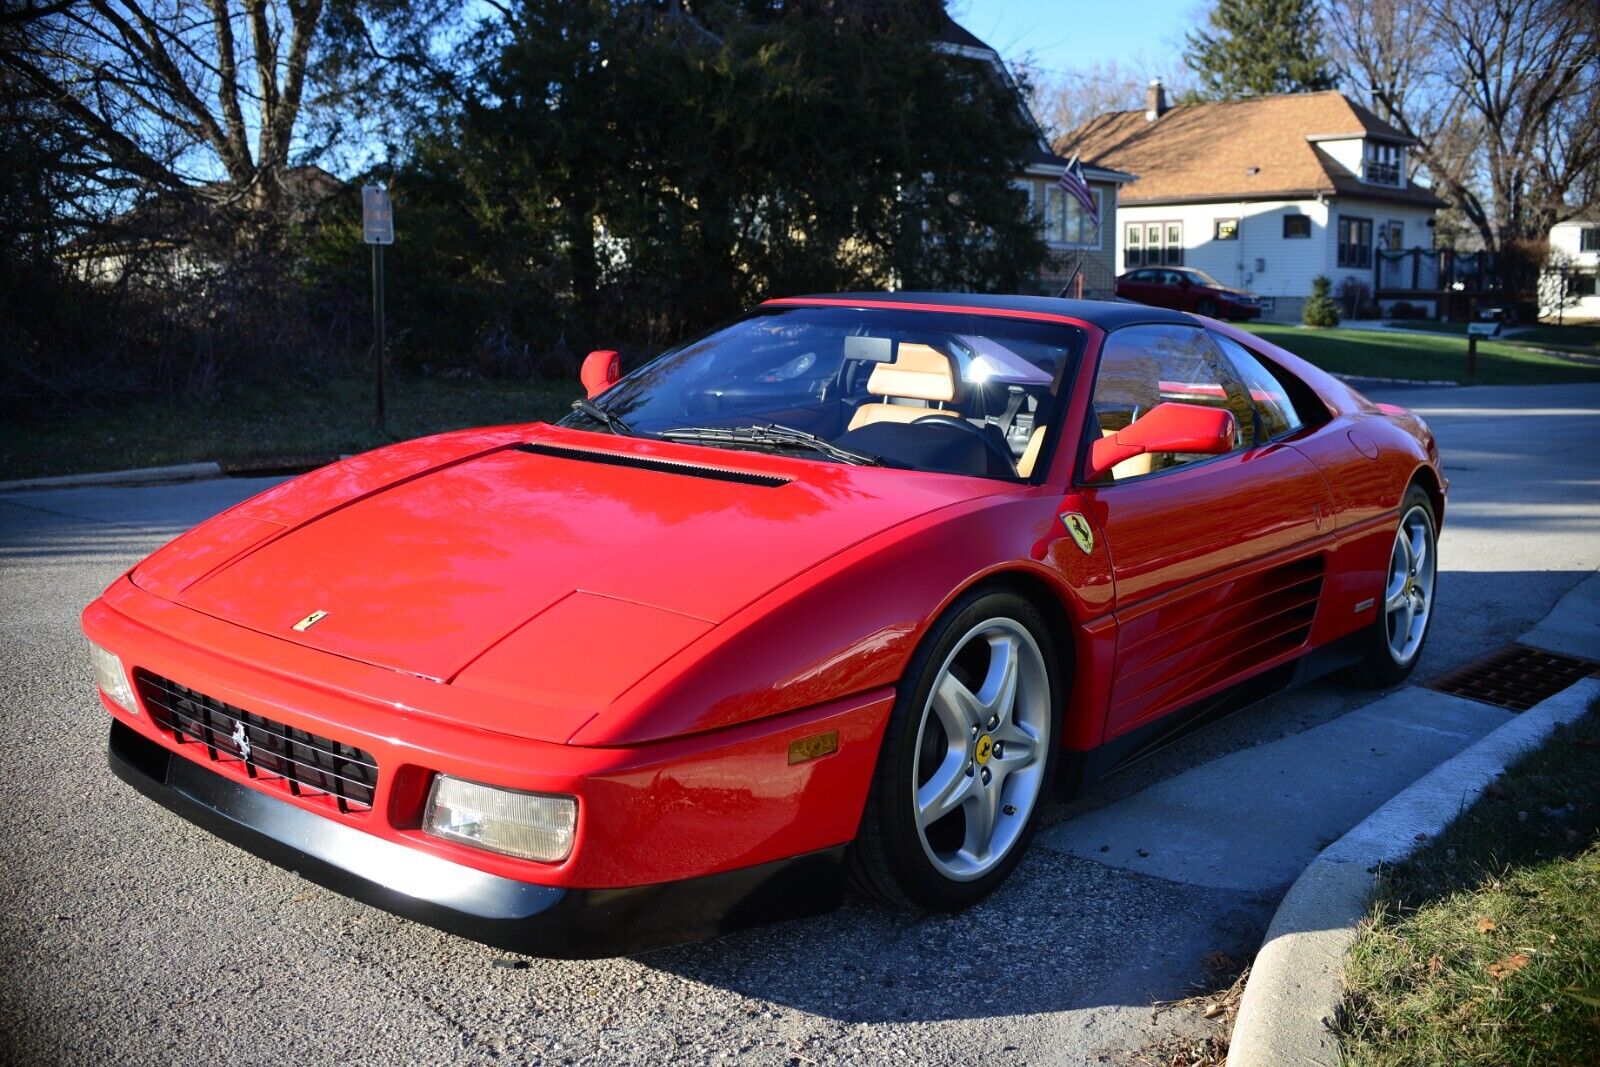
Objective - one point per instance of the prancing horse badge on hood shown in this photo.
(1079, 528)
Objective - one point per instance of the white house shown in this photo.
(1569, 287)
(1264, 194)
(1083, 256)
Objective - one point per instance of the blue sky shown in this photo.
(1146, 35)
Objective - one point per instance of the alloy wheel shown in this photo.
(980, 755)
(1408, 594)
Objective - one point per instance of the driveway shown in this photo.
(128, 935)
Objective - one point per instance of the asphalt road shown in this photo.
(127, 935)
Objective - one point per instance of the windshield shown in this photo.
(952, 392)
(1203, 278)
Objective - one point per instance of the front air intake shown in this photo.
(653, 463)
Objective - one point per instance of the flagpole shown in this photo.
(1080, 190)
(1083, 253)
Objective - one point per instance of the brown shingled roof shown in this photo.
(1261, 148)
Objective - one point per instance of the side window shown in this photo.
(1142, 366)
(1267, 393)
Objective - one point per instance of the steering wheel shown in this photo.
(1007, 463)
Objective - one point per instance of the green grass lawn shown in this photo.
(1427, 356)
(1582, 338)
(332, 418)
(1484, 948)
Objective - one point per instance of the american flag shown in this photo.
(1073, 181)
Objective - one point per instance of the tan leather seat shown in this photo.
(1030, 455)
(1130, 468)
(919, 372)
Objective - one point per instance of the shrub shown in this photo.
(1320, 308)
(1404, 309)
(1356, 296)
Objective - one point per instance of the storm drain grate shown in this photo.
(1516, 677)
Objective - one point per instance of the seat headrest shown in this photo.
(919, 372)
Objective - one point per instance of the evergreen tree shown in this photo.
(1321, 309)
(1255, 47)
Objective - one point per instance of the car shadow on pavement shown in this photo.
(1062, 934)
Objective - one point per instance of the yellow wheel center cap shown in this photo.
(985, 746)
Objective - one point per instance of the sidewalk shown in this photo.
(1297, 978)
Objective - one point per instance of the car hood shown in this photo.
(424, 564)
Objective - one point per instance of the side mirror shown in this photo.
(601, 370)
(1165, 428)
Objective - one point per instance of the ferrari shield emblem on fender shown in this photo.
(310, 620)
(1079, 528)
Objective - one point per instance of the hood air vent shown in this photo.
(651, 463)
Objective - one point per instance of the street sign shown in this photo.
(377, 216)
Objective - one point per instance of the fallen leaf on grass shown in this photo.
(1212, 1011)
(1485, 925)
(1510, 965)
(1435, 965)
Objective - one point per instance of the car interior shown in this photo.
(944, 392)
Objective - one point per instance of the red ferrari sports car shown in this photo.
(827, 596)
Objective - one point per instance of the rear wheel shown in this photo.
(969, 748)
(1405, 610)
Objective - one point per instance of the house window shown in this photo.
(1394, 236)
(1581, 285)
(1066, 223)
(1355, 242)
(1297, 225)
(1227, 229)
(1156, 244)
(1382, 164)
(1589, 239)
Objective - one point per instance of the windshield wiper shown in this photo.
(603, 415)
(771, 435)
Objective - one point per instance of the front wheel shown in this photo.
(1405, 610)
(1206, 307)
(969, 748)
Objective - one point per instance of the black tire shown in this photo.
(1206, 307)
(1378, 668)
(888, 861)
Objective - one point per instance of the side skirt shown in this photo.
(1130, 748)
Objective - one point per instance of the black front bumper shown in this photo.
(519, 916)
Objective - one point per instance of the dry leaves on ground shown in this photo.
(1510, 965)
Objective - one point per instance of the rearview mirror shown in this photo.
(601, 370)
(1190, 428)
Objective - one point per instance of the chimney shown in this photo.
(1155, 104)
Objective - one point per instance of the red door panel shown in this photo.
(1211, 575)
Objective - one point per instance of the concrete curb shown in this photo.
(1297, 979)
(182, 472)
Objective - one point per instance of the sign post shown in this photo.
(377, 230)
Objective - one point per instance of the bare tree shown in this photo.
(207, 102)
(1503, 99)
(1064, 100)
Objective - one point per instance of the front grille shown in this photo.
(298, 761)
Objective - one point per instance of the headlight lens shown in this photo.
(111, 678)
(531, 826)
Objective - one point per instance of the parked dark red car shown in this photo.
(1187, 289)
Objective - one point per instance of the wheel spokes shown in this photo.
(958, 708)
(998, 693)
(982, 809)
(945, 791)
